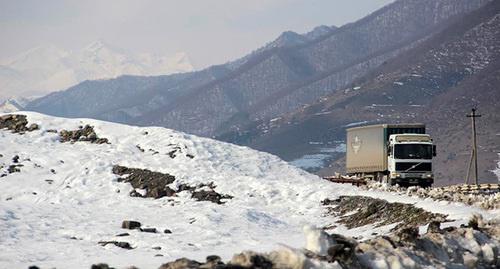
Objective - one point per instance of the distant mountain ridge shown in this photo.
(44, 69)
(279, 78)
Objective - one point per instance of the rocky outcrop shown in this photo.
(17, 123)
(156, 185)
(210, 195)
(357, 211)
(84, 133)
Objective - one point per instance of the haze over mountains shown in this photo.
(44, 69)
(389, 66)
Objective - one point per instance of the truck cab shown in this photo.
(410, 159)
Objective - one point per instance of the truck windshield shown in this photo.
(413, 151)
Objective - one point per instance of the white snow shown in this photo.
(497, 171)
(352, 124)
(9, 106)
(59, 224)
(44, 69)
(317, 240)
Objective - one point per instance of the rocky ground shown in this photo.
(156, 185)
(357, 211)
(475, 245)
(484, 199)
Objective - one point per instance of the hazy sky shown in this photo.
(209, 31)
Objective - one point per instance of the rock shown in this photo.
(155, 183)
(212, 262)
(100, 266)
(33, 127)
(250, 259)
(476, 222)
(434, 227)
(210, 195)
(84, 133)
(408, 234)
(124, 245)
(172, 154)
(123, 234)
(14, 168)
(16, 123)
(185, 187)
(182, 263)
(15, 159)
(131, 224)
(148, 230)
(167, 231)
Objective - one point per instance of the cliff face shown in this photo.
(437, 83)
(279, 78)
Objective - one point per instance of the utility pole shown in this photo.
(473, 157)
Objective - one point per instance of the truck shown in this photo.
(392, 153)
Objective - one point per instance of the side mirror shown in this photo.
(434, 150)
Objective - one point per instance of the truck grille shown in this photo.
(423, 167)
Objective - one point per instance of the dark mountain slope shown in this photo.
(288, 77)
(437, 82)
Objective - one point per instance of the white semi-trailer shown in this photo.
(393, 153)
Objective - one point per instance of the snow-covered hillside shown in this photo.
(43, 69)
(58, 200)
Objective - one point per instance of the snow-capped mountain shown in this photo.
(44, 69)
(63, 197)
(9, 106)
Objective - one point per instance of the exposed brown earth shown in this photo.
(156, 185)
(357, 211)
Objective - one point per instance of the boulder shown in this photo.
(131, 224)
(100, 266)
(434, 227)
(125, 245)
(148, 230)
(182, 263)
